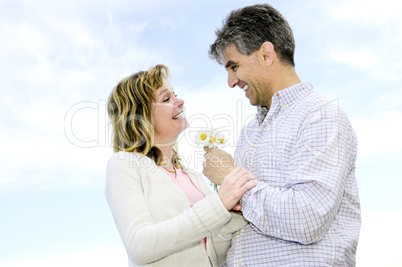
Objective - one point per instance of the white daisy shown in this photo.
(220, 139)
(210, 138)
(212, 141)
(202, 137)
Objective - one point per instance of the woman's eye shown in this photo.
(168, 98)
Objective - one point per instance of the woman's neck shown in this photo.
(167, 156)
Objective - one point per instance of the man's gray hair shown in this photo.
(249, 27)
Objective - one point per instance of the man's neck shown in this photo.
(286, 77)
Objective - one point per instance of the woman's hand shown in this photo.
(234, 186)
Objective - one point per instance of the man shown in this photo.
(305, 210)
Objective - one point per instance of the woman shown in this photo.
(165, 213)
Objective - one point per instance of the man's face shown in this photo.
(247, 72)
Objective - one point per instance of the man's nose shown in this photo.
(232, 79)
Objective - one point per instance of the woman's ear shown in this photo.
(267, 52)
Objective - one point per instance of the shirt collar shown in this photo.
(261, 113)
(288, 96)
(284, 99)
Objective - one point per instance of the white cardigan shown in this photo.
(156, 223)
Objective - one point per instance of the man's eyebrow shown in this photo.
(229, 64)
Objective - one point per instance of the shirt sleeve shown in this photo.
(321, 159)
(147, 240)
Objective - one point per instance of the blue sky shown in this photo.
(60, 59)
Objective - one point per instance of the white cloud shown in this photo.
(379, 134)
(362, 34)
(52, 59)
(366, 11)
(365, 59)
(390, 101)
(378, 129)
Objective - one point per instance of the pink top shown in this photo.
(184, 182)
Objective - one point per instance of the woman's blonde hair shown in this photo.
(131, 114)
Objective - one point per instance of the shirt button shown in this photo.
(239, 263)
(239, 232)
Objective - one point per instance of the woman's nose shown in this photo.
(179, 102)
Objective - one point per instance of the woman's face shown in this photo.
(169, 117)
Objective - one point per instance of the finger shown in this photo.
(240, 173)
(235, 171)
(247, 171)
(237, 207)
(247, 187)
(245, 177)
(243, 181)
(207, 149)
(232, 177)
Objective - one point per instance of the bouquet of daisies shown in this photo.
(210, 138)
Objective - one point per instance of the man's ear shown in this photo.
(267, 53)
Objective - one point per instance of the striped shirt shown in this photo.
(305, 210)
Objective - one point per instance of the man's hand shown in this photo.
(217, 164)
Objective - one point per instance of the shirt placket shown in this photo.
(238, 255)
(263, 143)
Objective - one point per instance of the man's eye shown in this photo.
(234, 68)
